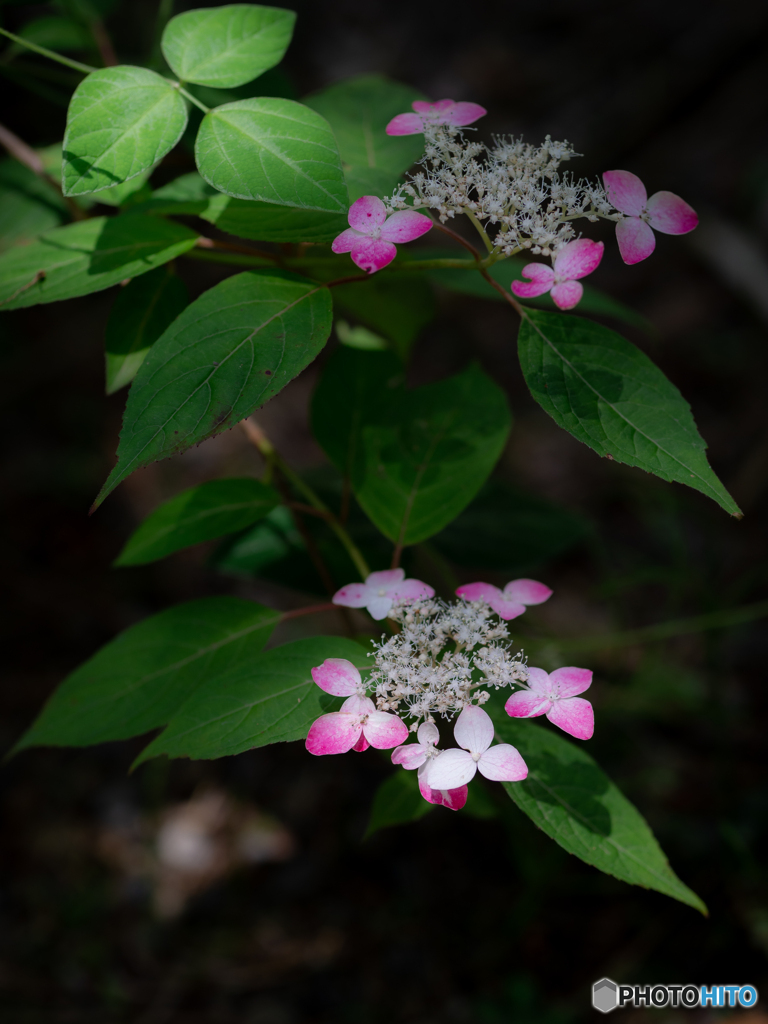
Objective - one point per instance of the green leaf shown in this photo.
(351, 385)
(54, 33)
(424, 454)
(29, 206)
(397, 306)
(209, 510)
(273, 150)
(268, 699)
(270, 541)
(121, 121)
(87, 257)
(397, 801)
(509, 530)
(609, 394)
(137, 681)
(142, 311)
(359, 110)
(226, 354)
(227, 46)
(568, 796)
(134, 191)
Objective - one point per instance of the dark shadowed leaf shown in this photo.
(142, 311)
(210, 510)
(397, 801)
(397, 306)
(136, 682)
(29, 206)
(87, 257)
(609, 394)
(267, 699)
(568, 796)
(230, 351)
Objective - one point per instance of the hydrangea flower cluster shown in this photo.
(519, 198)
(443, 663)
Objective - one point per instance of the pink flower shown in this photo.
(664, 211)
(358, 724)
(418, 755)
(576, 259)
(554, 695)
(442, 112)
(510, 602)
(380, 591)
(474, 733)
(371, 235)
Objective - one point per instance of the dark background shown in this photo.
(451, 919)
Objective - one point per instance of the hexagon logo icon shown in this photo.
(605, 995)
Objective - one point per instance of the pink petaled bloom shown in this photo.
(555, 695)
(509, 602)
(664, 211)
(370, 238)
(442, 112)
(358, 724)
(474, 733)
(418, 755)
(576, 259)
(380, 591)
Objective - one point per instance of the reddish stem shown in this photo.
(457, 237)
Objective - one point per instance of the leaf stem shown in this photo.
(215, 243)
(85, 68)
(481, 230)
(259, 439)
(191, 98)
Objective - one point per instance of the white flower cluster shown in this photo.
(513, 186)
(440, 660)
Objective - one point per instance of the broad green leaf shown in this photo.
(273, 150)
(352, 383)
(609, 394)
(227, 46)
(230, 351)
(29, 206)
(369, 181)
(137, 681)
(128, 192)
(121, 121)
(268, 699)
(397, 801)
(358, 110)
(87, 257)
(142, 311)
(270, 541)
(397, 306)
(568, 796)
(424, 454)
(507, 529)
(210, 510)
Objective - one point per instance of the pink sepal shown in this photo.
(525, 704)
(405, 226)
(636, 240)
(378, 607)
(626, 192)
(411, 590)
(354, 595)
(410, 756)
(451, 769)
(337, 676)
(478, 592)
(578, 258)
(453, 799)
(506, 610)
(502, 763)
(335, 733)
(362, 744)
(405, 124)
(567, 294)
(541, 279)
(385, 578)
(383, 730)
(345, 241)
(569, 682)
(670, 214)
(527, 591)
(372, 254)
(366, 214)
(574, 716)
(465, 113)
(473, 730)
